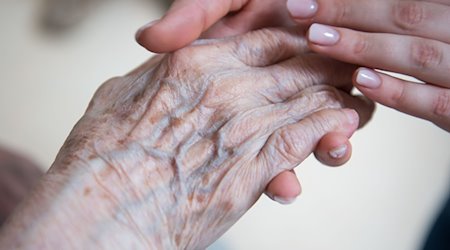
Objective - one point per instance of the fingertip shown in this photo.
(145, 38)
(369, 83)
(334, 149)
(145, 27)
(366, 78)
(158, 38)
(180, 26)
(284, 188)
(301, 10)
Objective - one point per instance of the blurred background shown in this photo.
(55, 53)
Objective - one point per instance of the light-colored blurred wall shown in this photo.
(385, 198)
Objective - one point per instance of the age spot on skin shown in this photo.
(205, 179)
(177, 239)
(87, 191)
(227, 206)
(191, 197)
(200, 198)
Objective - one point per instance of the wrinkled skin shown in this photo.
(173, 154)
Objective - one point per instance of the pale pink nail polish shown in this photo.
(368, 78)
(323, 35)
(302, 8)
(338, 152)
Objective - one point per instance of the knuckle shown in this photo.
(109, 84)
(361, 45)
(104, 93)
(398, 97)
(425, 55)
(441, 105)
(327, 98)
(408, 15)
(285, 146)
(251, 49)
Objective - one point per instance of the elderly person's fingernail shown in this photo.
(302, 8)
(323, 34)
(368, 78)
(338, 152)
(284, 200)
(148, 25)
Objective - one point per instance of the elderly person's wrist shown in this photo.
(80, 205)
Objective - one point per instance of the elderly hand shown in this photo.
(171, 155)
(222, 18)
(405, 36)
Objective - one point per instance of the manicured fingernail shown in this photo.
(148, 25)
(352, 116)
(368, 78)
(338, 152)
(323, 35)
(302, 8)
(284, 201)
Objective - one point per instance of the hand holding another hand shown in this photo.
(403, 36)
(188, 20)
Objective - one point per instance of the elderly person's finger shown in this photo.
(284, 188)
(422, 100)
(418, 18)
(334, 149)
(309, 69)
(312, 69)
(425, 59)
(283, 57)
(268, 46)
(285, 147)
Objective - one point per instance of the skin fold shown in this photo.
(171, 155)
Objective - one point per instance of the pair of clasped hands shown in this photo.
(410, 37)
